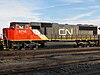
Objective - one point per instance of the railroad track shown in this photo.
(49, 55)
(25, 69)
(46, 51)
(19, 60)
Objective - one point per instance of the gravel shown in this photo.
(88, 68)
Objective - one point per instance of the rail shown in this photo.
(29, 59)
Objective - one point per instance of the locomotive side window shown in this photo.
(26, 26)
(17, 25)
(21, 27)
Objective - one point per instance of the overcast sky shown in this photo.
(60, 11)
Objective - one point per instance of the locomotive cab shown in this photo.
(16, 31)
(20, 34)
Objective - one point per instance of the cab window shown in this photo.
(26, 26)
(23, 26)
(17, 26)
(11, 26)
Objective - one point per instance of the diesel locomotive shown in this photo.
(31, 35)
(20, 35)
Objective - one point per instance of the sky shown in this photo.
(59, 11)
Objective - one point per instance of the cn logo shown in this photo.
(65, 31)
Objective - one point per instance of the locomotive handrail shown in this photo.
(6, 39)
(73, 37)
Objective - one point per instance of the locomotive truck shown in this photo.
(31, 35)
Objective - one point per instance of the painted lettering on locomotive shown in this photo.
(65, 32)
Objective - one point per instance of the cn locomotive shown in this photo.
(20, 35)
(31, 35)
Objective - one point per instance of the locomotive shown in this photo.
(31, 35)
(20, 35)
(82, 35)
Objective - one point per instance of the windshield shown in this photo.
(11, 26)
(22, 26)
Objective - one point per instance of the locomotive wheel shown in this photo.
(91, 45)
(31, 47)
(16, 48)
(42, 45)
(80, 45)
(87, 45)
(35, 48)
(19, 48)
